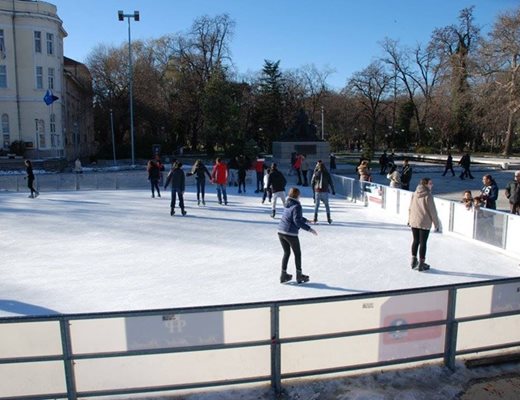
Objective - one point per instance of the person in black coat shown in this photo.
(489, 192)
(449, 165)
(406, 175)
(322, 183)
(276, 181)
(200, 171)
(465, 163)
(154, 176)
(30, 179)
(178, 181)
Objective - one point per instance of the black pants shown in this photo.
(267, 193)
(466, 173)
(30, 185)
(259, 181)
(201, 186)
(420, 238)
(176, 193)
(154, 183)
(448, 168)
(289, 242)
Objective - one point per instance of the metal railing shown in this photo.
(412, 325)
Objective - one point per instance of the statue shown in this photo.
(301, 129)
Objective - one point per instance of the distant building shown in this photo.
(31, 66)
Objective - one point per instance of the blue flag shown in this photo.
(49, 98)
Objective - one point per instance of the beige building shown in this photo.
(31, 64)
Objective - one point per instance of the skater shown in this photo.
(276, 182)
(465, 163)
(394, 176)
(219, 176)
(290, 223)
(268, 193)
(30, 179)
(242, 172)
(449, 165)
(512, 192)
(259, 169)
(78, 169)
(321, 183)
(298, 168)
(232, 171)
(305, 169)
(154, 175)
(200, 171)
(422, 214)
(178, 181)
(489, 192)
(406, 175)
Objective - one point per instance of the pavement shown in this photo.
(505, 387)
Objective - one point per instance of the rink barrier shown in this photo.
(498, 229)
(137, 352)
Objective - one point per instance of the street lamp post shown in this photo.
(121, 16)
(322, 124)
(113, 136)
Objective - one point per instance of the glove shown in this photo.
(333, 193)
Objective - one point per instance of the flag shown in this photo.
(49, 98)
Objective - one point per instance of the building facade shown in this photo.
(32, 66)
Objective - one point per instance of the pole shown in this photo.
(322, 124)
(113, 136)
(131, 78)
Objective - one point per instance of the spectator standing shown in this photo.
(332, 162)
(489, 192)
(154, 177)
(513, 194)
(449, 165)
(200, 171)
(276, 182)
(30, 179)
(394, 176)
(178, 181)
(465, 163)
(219, 176)
(383, 163)
(422, 214)
(467, 199)
(322, 183)
(291, 222)
(406, 175)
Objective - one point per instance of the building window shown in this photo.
(52, 124)
(40, 131)
(37, 41)
(50, 44)
(50, 78)
(5, 123)
(2, 44)
(39, 77)
(3, 76)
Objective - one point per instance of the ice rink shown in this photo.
(90, 251)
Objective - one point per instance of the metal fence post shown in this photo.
(504, 231)
(450, 344)
(68, 361)
(77, 181)
(276, 362)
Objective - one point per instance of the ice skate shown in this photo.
(301, 278)
(329, 220)
(183, 212)
(285, 277)
(203, 202)
(172, 211)
(198, 202)
(36, 194)
(414, 263)
(423, 266)
(273, 213)
(315, 218)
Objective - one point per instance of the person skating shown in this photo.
(322, 183)
(422, 214)
(200, 171)
(154, 176)
(242, 172)
(178, 182)
(291, 222)
(259, 169)
(276, 181)
(219, 176)
(512, 193)
(268, 193)
(30, 179)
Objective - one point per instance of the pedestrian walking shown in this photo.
(465, 163)
(422, 214)
(276, 181)
(291, 222)
(154, 176)
(449, 165)
(200, 172)
(322, 184)
(178, 181)
(30, 179)
(406, 175)
(219, 176)
(513, 194)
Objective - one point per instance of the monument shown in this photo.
(301, 138)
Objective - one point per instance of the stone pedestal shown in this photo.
(314, 151)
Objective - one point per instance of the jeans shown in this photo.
(324, 197)
(259, 181)
(201, 186)
(221, 190)
(289, 242)
(175, 193)
(278, 195)
(420, 238)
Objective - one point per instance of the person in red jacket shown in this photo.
(259, 168)
(219, 176)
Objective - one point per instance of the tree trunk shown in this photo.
(508, 140)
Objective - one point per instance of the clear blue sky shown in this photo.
(341, 34)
